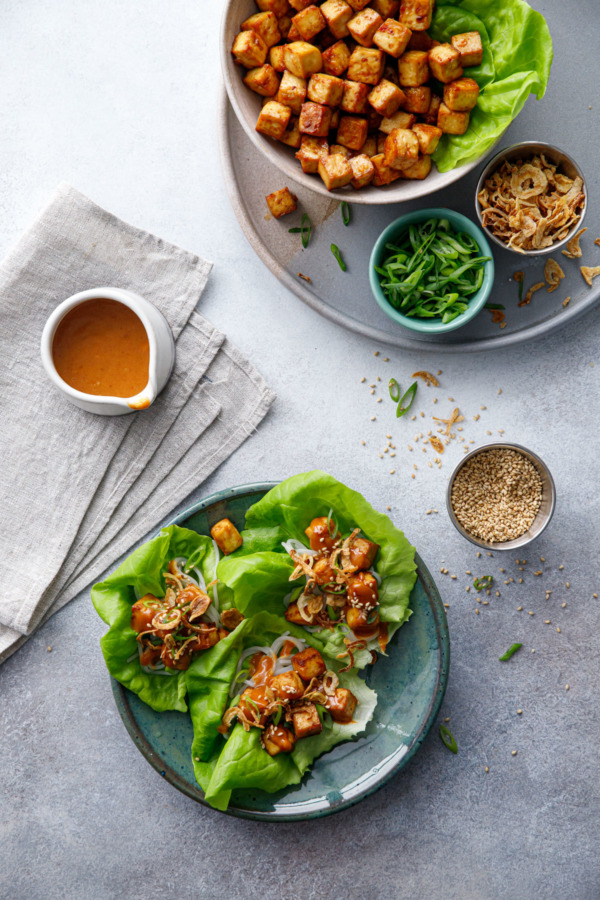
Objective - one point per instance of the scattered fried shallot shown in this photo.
(589, 273)
(436, 444)
(573, 250)
(553, 274)
(454, 417)
(427, 377)
(527, 298)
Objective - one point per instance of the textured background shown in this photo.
(120, 99)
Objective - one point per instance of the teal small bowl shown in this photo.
(459, 223)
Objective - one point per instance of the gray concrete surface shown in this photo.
(120, 99)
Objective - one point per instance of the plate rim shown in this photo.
(121, 694)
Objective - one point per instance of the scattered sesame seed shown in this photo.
(519, 608)
(373, 418)
(363, 443)
(467, 589)
(530, 613)
(468, 572)
(410, 448)
(386, 359)
(388, 508)
(371, 385)
(363, 379)
(453, 577)
(513, 752)
(497, 593)
(378, 378)
(413, 475)
(595, 596)
(519, 712)
(499, 390)
(392, 454)
(49, 649)
(533, 651)
(539, 572)
(447, 605)
(447, 719)
(547, 622)
(439, 371)
(542, 559)
(435, 510)
(566, 687)
(372, 390)
(567, 585)
(435, 399)
(477, 611)
(486, 769)
(563, 605)
(486, 602)
(376, 353)
(428, 513)
(451, 399)
(381, 456)
(558, 629)
(488, 432)
(560, 568)
(389, 437)
(484, 407)
(393, 446)
(520, 581)
(392, 471)
(386, 450)
(379, 400)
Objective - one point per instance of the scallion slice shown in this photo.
(448, 739)
(394, 390)
(336, 252)
(345, 210)
(510, 652)
(406, 401)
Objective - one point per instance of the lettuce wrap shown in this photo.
(260, 580)
(517, 55)
(222, 765)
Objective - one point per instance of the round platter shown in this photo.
(410, 685)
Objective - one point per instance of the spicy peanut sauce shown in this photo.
(101, 347)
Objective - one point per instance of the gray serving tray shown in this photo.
(562, 118)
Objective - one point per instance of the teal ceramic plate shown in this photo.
(410, 685)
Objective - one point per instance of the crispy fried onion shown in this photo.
(351, 647)
(198, 606)
(176, 649)
(345, 549)
(573, 250)
(309, 605)
(454, 418)
(231, 618)
(553, 274)
(436, 444)
(527, 298)
(497, 316)
(330, 682)
(589, 273)
(427, 377)
(167, 619)
(304, 563)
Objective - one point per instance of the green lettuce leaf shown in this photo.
(516, 62)
(113, 598)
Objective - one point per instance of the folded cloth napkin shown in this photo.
(78, 489)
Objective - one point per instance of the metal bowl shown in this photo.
(523, 151)
(544, 513)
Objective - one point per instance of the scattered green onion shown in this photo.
(403, 405)
(304, 229)
(510, 652)
(336, 252)
(432, 272)
(394, 390)
(345, 210)
(277, 716)
(481, 583)
(447, 739)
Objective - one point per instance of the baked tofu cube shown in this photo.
(337, 14)
(392, 37)
(363, 553)
(369, 147)
(311, 151)
(277, 7)
(387, 9)
(363, 26)
(278, 739)
(362, 171)
(418, 170)
(284, 24)
(357, 5)
(276, 59)
(469, 47)
(362, 587)
(444, 62)
(434, 107)
(341, 705)
(309, 22)
(281, 203)
(366, 65)
(302, 59)
(401, 147)
(249, 49)
(355, 97)
(274, 119)
(386, 98)
(292, 92)
(461, 95)
(417, 100)
(308, 664)
(306, 721)
(413, 68)
(225, 534)
(287, 686)
(452, 122)
(337, 149)
(293, 33)
(400, 119)
(325, 89)
(416, 14)
(315, 119)
(419, 40)
(383, 174)
(428, 137)
(335, 172)
(263, 81)
(336, 59)
(352, 132)
(265, 24)
(292, 136)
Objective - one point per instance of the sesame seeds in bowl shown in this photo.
(501, 496)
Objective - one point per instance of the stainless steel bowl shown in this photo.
(544, 513)
(523, 151)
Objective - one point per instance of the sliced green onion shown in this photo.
(277, 716)
(306, 227)
(394, 390)
(510, 652)
(336, 252)
(345, 210)
(447, 739)
(481, 583)
(407, 400)
(494, 306)
(295, 230)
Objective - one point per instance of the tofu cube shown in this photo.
(419, 40)
(284, 24)
(363, 553)
(273, 121)
(400, 119)
(355, 97)
(277, 739)
(416, 14)
(417, 99)
(341, 705)
(336, 172)
(325, 89)
(452, 122)
(386, 98)
(357, 5)
(309, 663)
(302, 59)
(337, 14)
(461, 95)
(432, 113)
(263, 81)
(293, 33)
(401, 147)
(276, 59)
(277, 7)
(428, 137)
(282, 202)
(336, 59)
(387, 9)
(226, 536)
(352, 132)
(340, 151)
(418, 170)
(264, 24)
(287, 686)
(444, 62)
(369, 148)
(363, 26)
(363, 171)
(413, 68)
(366, 65)
(306, 721)
(311, 151)
(392, 37)
(469, 47)
(315, 119)
(249, 49)
(292, 136)
(292, 92)
(383, 174)
(309, 22)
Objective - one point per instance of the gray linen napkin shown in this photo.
(78, 490)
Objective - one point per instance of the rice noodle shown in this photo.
(278, 643)
(212, 615)
(288, 597)
(298, 546)
(133, 656)
(282, 667)
(375, 575)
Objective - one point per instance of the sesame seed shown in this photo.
(453, 577)
(373, 418)
(363, 379)
(563, 605)
(379, 400)
(558, 629)
(447, 719)
(376, 353)
(410, 448)
(486, 769)
(372, 390)
(451, 399)
(566, 687)
(389, 508)
(519, 608)
(484, 407)
(386, 450)
(478, 554)
(477, 611)
(428, 513)
(530, 613)
(560, 568)
(547, 622)
(389, 437)
(595, 596)
(392, 471)
(499, 390)
(363, 443)
(542, 559)
(386, 359)
(519, 712)
(49, 649)
(567, 585)
(513, 752)
(381, 456)
(378, 378)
